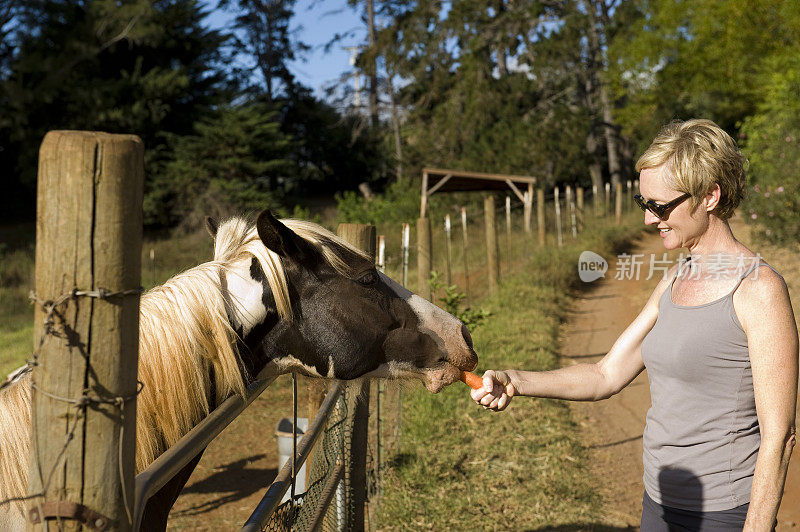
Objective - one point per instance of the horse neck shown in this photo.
(184, 339)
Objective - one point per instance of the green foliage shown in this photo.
(399, 203)
(146, 67)
(696, 58)
(231, 164)
(772, 144)
(333, 152)
(452, 301)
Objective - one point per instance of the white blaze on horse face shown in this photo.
(444, 328)
(247, 306)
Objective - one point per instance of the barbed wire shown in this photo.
(51, 307)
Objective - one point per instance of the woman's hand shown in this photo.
(497, 391)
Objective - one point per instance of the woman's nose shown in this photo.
(650, 218)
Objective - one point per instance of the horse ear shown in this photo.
(276, 236)
(211, 226)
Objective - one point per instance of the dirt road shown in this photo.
(612, 429)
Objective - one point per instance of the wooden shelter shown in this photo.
(444, 180)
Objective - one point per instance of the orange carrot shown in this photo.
(471, 380)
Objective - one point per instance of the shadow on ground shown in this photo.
(232, 481)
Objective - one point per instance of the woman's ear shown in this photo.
(712, 198)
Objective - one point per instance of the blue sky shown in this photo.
(316, 22)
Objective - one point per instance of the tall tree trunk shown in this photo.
(373, 64)
(587, 92)
(398, 145)
(596, 68)
(500, 50)
(611, 136)
(268, 66)
(595, 168)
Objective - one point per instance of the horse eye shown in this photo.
(368, 278)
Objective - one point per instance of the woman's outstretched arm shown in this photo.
(581, 382)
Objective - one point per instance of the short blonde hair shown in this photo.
(698, 154)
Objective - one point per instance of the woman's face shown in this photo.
(681, 227)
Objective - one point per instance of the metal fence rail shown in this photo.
(328, 438)
(166, 466)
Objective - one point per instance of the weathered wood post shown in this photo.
(508, 232)
(492, 262)
(424, 257)
(448, 249)
(88, 260)
(405, 249)
(363, 237)
(540, 216)
(526, 212)
(607, 201)
(579, 192)
(571, 210)
(595, 201)
(466, 248)
(380, 262)
(618, 203)
(628, 196)
(557, 203)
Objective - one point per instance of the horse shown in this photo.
(279, 296)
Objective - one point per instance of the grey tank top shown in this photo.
(701, 436)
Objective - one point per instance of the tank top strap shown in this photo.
(756, 264)
(678, 271)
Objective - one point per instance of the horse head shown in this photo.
(327, 312)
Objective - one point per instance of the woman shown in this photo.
(718, 339)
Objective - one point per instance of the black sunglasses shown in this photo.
(660, 210)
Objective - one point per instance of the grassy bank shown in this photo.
(462, 468)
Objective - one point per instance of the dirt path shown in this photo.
(612, 429)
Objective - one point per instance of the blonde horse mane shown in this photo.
(184, 337)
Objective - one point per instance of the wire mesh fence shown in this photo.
(328, 502)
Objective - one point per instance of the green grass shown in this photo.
(462, 468)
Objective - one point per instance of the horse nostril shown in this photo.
(467, 337)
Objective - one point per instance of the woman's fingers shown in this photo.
(496, 392)
(503, 402)
(488, 381)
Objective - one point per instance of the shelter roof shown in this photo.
(444, 180)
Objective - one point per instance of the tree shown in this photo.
(699, 58)
(136, 66)
(266, 39)
(232, 163)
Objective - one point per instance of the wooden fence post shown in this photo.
(607, 201)
(363, 237)
(466, 248)
(579, 192)
(540, 216)
(595, 201)
(405, 249)
(573, 220)
(492, 262)
(526, 211)
(448, 249)
(88, 239)
(424, 257)
(508, 232)
(618, 203)
(628, 196)
(557, 203)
